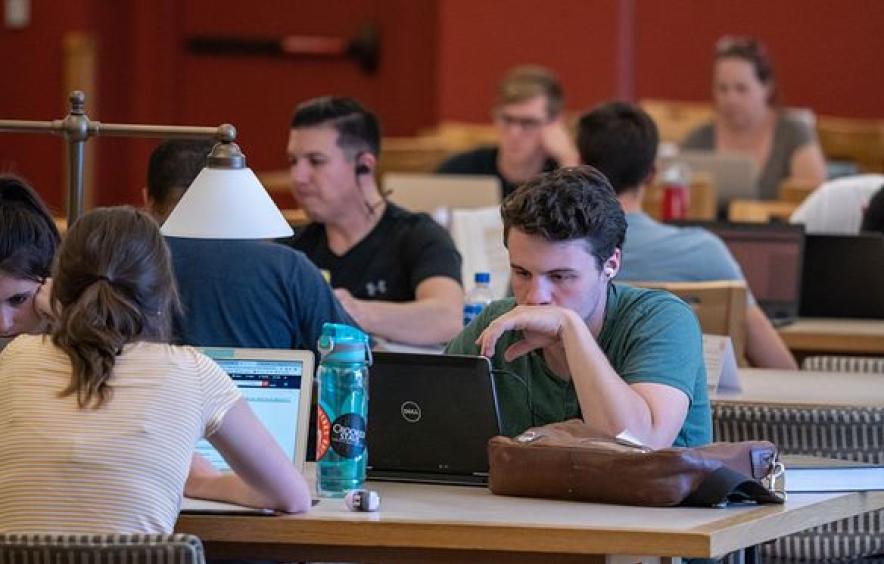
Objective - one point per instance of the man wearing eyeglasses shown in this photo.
(533, 137)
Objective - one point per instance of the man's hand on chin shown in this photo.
(558, 143)
(541, 326)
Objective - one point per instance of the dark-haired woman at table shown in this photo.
(749, 121)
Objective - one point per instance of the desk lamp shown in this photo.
(225, 201)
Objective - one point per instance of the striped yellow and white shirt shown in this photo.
(120, 468)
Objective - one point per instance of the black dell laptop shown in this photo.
(430, 418)
(843, 276)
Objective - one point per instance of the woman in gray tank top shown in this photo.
(748, 120)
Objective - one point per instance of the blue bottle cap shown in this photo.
(343, 343)
(482, 278)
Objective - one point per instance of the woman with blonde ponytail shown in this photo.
(101, 419)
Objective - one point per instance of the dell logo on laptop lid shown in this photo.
(411, 411)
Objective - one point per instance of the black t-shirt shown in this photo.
(484, 161)
(402, 250)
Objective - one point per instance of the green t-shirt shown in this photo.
(648, 336)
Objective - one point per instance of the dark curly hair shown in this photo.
(567, 204)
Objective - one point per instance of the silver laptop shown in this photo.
(431, 192)
(735, 176)
(277, 384)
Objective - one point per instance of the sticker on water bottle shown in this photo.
(323, 432)
(348, 435)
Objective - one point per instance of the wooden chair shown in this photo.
(795, 191)
(676, 119)
(296, 217)
(857, 140)
(413, 154)
(275, 181)
(720, 306)
(84, 548)
(460, 136)
(701, 202)
(759, 211)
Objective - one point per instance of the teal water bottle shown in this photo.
(342, 410)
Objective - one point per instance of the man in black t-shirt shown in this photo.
(396, 273)
(533, 137)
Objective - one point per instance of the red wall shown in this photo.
(146, 75)
(441, 60)
(32, 90)
(479, 41)
(827, 54)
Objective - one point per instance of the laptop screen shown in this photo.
(771, 257)
(430, 417)
(276, 390)
(844, 276)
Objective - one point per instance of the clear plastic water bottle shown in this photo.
(342, 411)
(477, 298)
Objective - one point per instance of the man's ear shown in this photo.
(612, 265)
(368, 161)
(151, 206)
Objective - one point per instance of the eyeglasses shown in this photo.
(526, 123)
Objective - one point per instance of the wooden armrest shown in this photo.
(757, 211)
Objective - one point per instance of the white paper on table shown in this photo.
(721, 363)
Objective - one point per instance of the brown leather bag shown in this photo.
(569, 460)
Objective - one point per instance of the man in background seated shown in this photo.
(236, 293)
(574, 344)
(396, 273)
(620, 140)
(533, 136)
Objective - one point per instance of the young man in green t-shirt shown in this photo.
(572, 343)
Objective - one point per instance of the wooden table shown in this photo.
(834, 336)
(804, 387)
(450, 523)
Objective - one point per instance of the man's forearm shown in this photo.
(608, 403)
(764, 346)
(422, 322)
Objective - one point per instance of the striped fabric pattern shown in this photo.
(118, 468)
(861, 364)
(852, 433)
(101, 549)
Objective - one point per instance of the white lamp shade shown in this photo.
(224, 203)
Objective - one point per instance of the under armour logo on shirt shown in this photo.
(376, 288)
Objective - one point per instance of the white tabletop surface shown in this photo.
(803, 387)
